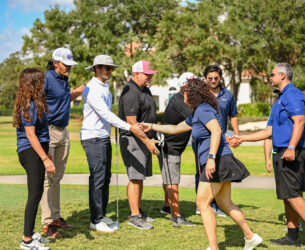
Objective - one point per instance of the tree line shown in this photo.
(175, 36)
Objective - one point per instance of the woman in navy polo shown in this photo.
(218, 166)
(30, 119)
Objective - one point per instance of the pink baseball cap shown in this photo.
(143, 67)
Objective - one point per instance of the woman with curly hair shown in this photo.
(30, 120)
(218, 166)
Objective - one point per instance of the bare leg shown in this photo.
(140, 193)
(174, 199)
(134, 195)
(298, 205)
(223, 199)
(291, 216)
(166, 198)
(205, 194)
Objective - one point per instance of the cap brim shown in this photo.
(150, 72)
(69, 62)
(91, 68)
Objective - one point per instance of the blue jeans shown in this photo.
(98, 152)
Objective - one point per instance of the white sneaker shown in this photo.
(39, 238)
(101, 227)
(254, 242)
(208, 248)
(107, 220)
(34, 245)
(197, 211)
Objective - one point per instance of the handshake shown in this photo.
(234, 141)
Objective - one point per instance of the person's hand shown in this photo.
(210, 168)
(233, 141)
(289, 155)
(145, 126)
(151, 145)
(269, 166)
(49, 165)
(137, 131)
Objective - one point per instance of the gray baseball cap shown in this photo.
(102, 60)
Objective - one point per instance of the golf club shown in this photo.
(116, 224)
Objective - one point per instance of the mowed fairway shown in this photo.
(263, 212)
(251, 156)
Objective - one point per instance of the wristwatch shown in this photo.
(212, 156)
(291, 147)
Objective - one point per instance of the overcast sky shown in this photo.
(17, 17)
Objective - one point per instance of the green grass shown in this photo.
(251, 156)
(262, 210)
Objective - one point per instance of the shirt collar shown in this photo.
(55, 74)
(221, 92)
(288, 86)
(133, 82)
(99, 81)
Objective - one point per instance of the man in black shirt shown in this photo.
(174, 145)
(136, 105)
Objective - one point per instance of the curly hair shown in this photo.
(31, 81)
(198, 91)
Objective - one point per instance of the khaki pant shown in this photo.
(59, 150)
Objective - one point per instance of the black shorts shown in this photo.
(289, 174)
(228, 169)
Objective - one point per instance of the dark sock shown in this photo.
(27, 242)
(293, 233)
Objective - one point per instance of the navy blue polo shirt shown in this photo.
(198, 120)
(291, 102)
(41, 129)
(57, 92)
(227, 107)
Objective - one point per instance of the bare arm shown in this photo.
(257, 136)
(297, 132)
(214, 128)
(234, 123)
(267, 152)
(76, 92)
(30, 134)
(167, 129)
(150, 144)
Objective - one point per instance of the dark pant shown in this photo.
(35, 171)
(98, 152)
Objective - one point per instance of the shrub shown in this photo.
(257, 109)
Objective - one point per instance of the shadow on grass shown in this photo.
(81, 218)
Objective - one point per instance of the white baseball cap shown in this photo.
(182, 81)
(102, 60)
(64, 55)
(143, 67)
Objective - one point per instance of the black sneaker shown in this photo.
(180, 220)
(145, 217)
(139, 222)
(285, 241)
(165, 210)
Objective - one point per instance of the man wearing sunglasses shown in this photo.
(228, 110)
(58, 97)
(137, 105)
(95, 139)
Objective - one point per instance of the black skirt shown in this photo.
(228, 169)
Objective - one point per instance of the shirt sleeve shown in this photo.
(33, 115)
(130, 103)
(98, 104)
(189, 120)
(295, 105)
(270, 120)
(233, 109)
(205, 114)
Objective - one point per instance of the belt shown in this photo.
(57, 127)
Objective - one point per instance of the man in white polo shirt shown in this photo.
(95, 139)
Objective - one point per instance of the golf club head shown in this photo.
(115, 225)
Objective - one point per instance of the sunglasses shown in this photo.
(109, 68)
(216, 78)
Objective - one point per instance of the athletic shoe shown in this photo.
(39, 238)
(165, 210)
(286, 241)
(197, 211)
(61, 223)
(139, 222)
(107, 220)
(145, 217)
(50, 230)
(208, 248)
(220, 212)
(254, 242)
(181, 221)
(214, 207)
(101, 227)
(34, 245)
